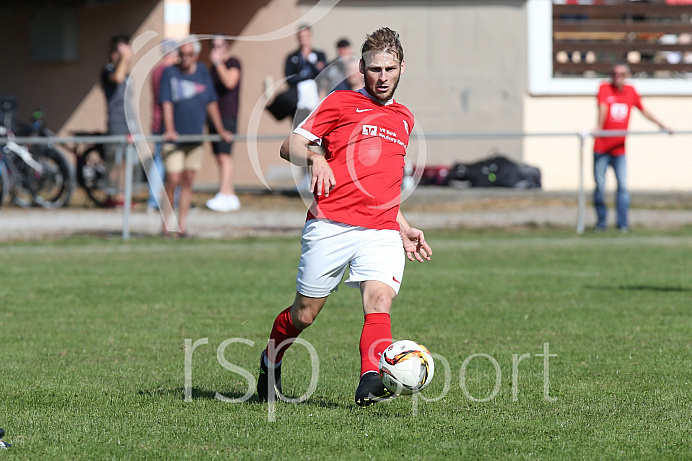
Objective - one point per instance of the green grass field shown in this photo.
(93, 359)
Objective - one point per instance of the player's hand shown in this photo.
(216, 55)
(667, 129)
(170, 135)
(125, 50)
(226, 135)
(322, 176)
(415, 245)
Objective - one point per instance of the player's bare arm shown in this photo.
(295, 150)
(215, 116)
(169, 133)
(414, 241)
(119, 75)
(653, 118)
(602, 113)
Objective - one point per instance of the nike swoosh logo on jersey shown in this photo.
(361, 110)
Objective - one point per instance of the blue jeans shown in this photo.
(619, 164)
(156, 176)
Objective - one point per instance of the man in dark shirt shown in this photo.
(187, 97)
(225, 73)
(114, 77)
(302, 67)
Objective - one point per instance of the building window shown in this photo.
(54, 34)
(573, 44)
(654, 37)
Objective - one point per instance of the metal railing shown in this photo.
(132, 140)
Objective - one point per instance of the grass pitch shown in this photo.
(93, 357)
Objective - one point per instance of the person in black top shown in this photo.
(225, 73)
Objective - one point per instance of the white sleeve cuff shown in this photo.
(309, 136)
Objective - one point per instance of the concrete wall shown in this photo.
(654, 162)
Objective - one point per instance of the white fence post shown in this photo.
(581, 199)
(127, 206)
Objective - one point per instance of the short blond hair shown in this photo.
(383, 40)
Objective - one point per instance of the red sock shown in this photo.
(282, 330)
(375, 338)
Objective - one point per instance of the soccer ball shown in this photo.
(406, 367)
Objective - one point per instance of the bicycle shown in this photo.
(92, 170)
(4, 181)
(36, 175)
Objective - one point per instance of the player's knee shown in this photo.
(187, 179)
(379, 302)
(302, 319)
(302, 316)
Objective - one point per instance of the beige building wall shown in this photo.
(654, 162)
(69, 91)
(459, 77)
(264, 33)
(466, 67)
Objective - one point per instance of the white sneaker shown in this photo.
(224, 203)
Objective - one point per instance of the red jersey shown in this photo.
(365, 143)
(156, 111)
(617, 116)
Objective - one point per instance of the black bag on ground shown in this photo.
(285, 104)
(496, 171)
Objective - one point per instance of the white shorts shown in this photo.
(329, 247)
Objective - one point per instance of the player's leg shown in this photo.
(600, 164)
(194, 154)
(172, 181)
(287, 326)
(225, 199)
(378, 268)
(226, 164)
(622, 200)
(156, 175)
(185, 200)
(375, 337)
(324, 257)
(290, 323)
(174, 160)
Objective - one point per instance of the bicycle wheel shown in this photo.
(91, 174)
(4, 182)
(51, 188)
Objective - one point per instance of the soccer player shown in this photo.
(354, 221)
(615, 102)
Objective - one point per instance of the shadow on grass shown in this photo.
(197, 393)
(641, 287)
(179, 392)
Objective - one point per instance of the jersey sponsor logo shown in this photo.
(370, 130)
(362, 110)
(185, 89)
(618, 111)
(394, 278)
